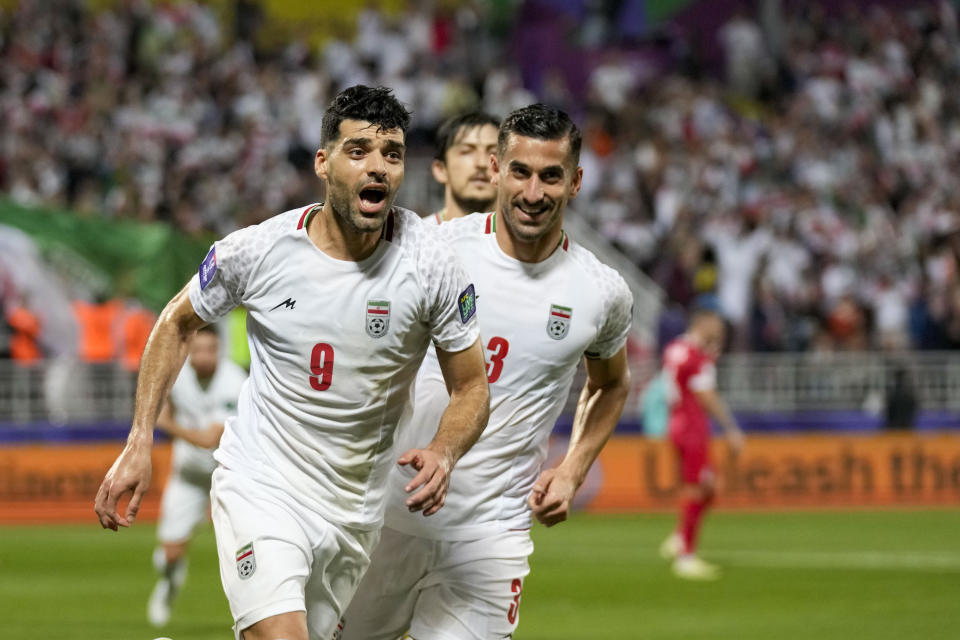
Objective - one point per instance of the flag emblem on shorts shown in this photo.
(378, 318)
(246, 562)
(558, 324)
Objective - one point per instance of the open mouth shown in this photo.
(372, 198)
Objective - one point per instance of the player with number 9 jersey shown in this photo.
(343, 299)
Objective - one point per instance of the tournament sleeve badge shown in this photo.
(208, 268)
(378, 318)
(246, 561)
(467, 303)
(558, 324)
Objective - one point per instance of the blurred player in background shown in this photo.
(462, 164)
(342, 299)
(548, 304)
(691, 377)
(201, 399)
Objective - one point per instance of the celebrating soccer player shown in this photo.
(688, 363)
(342, 299)
(203, 397)
(547, 304)
(462, 164)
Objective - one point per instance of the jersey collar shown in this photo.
(386, 232)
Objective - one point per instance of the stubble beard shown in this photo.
(345, 209)
(527, 233)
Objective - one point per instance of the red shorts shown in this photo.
(693, 454)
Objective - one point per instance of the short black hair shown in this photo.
(376, 105)
(208, 328)
(543, 123)
(449, 131)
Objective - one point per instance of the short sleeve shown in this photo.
(452, 300)
(219, 285)
(705, 379)
(616, 324)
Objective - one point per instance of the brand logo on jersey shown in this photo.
(246, 562)
(467, 303)
(378, 318)
(558, 324)
(289, 303)
(338, 632)
(208, 268)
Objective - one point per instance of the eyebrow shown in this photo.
(366, 142)
(516, 164)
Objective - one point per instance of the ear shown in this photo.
(576, 183)
(494, 165)
(320, 166)
(439, 170)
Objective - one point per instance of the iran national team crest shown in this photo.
(246, 562)
(378, 318)
(558, 325)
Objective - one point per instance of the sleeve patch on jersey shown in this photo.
(467, 302)
(208, 268)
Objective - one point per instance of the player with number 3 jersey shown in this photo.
(545, 304)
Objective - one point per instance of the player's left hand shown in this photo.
(552, 496)
(432, 479)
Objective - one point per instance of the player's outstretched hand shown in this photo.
(129, 474)
(551, 497)
(432, 480)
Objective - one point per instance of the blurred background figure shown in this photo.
(203, 397)
(691, 381)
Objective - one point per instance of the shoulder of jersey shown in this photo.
(469, 225)
(409, 230)
(258, 237)
(233, 369)
(606, 277)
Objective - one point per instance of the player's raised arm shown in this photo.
(163, 358)
(461, 425)
(598, 409)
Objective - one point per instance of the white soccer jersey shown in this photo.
(335, 346)
(537, 321)
(196, 407)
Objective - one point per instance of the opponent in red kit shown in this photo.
(688, 364)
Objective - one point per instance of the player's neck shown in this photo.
(330, 235)
(535, 251)
(451, 209)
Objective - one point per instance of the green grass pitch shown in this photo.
(836, 575)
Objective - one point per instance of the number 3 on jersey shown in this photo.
(498, 348)
(321, 366)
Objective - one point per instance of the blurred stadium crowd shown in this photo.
(795, 171)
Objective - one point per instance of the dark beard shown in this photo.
(474, 205)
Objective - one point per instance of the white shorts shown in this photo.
(276, 557)
(184, 505)
(439, 590)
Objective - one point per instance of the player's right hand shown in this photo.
(432, 479)
(129, 474)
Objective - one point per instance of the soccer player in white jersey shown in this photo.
(342, 300)
(546, 304)
(201, 399)
(461, 163)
